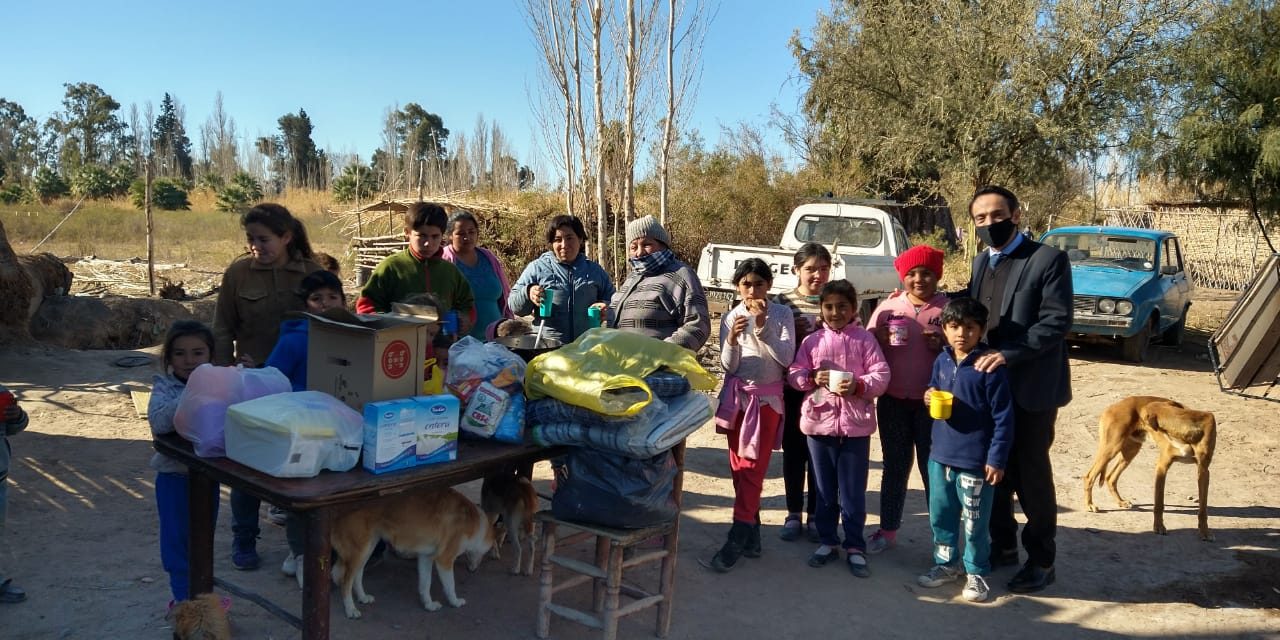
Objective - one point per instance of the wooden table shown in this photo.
(319, 500)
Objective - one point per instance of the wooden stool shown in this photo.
(605, 575)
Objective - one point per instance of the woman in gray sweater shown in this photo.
(661, 297)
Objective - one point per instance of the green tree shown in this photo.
(170, 144)
(46, 185)
(422, 133)
(1225, 138)
(166, 193)
(19, 137)
(240, 194)
(91, 126)
(947, 95)
(305, 165)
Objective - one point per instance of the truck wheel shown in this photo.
(1173, 335)
(1135, 348)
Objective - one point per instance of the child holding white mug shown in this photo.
(756, 346)
(842, 370)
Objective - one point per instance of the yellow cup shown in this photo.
(940, 405)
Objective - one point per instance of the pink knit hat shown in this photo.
(919, 256)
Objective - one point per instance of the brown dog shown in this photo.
(435, 526)
(1180, 433)
(512, 497)
(200, 618)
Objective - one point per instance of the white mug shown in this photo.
(834, 378)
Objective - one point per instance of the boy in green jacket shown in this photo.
(419, 268)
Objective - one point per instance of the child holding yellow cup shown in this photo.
(972, 436)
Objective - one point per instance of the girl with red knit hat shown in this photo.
(908, 326)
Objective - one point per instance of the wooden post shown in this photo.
(151, 245)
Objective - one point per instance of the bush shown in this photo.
(122, 176)
(238, 196)
(13, 194)
(93, 182)
(47, 185)
(344, 187)
(166, 193)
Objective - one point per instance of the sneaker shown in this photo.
(975, 589)
(277, 516)
(244, 554)
(290, 566)
(939, 575)
(879, 542)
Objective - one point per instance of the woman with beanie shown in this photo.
(908, 326)
(661, 297)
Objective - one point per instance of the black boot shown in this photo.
(751, 548)
(728, 555)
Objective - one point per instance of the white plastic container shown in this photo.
(294, 435)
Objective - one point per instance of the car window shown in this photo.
(848, 232)
(900, 238)
(1131, 254)
(1171, 257)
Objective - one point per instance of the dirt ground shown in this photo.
(81, 535)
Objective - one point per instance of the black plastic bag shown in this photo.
(616, 491)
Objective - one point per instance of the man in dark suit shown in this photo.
(1027, 286)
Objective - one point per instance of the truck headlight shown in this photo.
(1124, 307)
(1107, 306)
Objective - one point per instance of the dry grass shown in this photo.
(202, 237)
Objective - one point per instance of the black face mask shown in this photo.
(997, 234)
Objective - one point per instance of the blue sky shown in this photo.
(346, 62)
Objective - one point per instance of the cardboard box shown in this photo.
(391, 431)
(438, 437)
(365, 358)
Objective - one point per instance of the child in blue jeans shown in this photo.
(842, 371)
(969, 451)
(188, 345)
(12, 420)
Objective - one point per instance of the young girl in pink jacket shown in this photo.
(842, 370)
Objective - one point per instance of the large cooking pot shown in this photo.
(523, 345)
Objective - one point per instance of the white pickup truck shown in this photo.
(863, 237)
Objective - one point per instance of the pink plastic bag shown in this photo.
(202, 411)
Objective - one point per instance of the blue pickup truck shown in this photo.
(1130, 285)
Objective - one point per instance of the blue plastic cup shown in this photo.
(548, 302)
(451, 323)
(593, 314)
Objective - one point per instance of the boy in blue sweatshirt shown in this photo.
(969, 451)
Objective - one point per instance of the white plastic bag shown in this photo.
(202, 411)
(472, 362)
(295, 435)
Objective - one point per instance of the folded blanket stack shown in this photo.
(674, 413)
